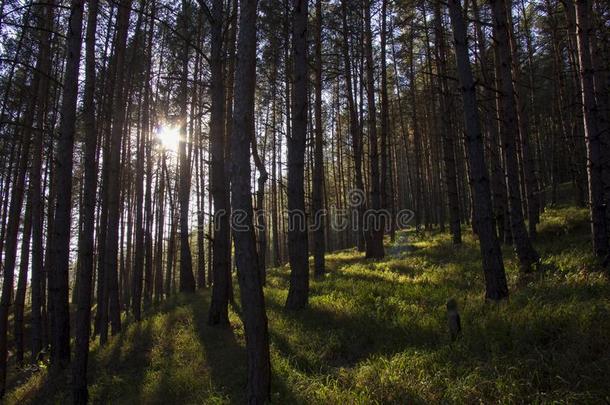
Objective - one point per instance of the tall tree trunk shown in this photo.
(509, 121)
(375, 222)
(11, 245)
(498, 184)
(219, 185)
(86, 238)
(59, 285)
(593, 135)
(355, 129)
(253, 301)
(36, 192)
(493, 265)
(385, 117)
(446, 101)
(259, 209)
(187, 279)
(298, 293)
(318, 174)
(22, 281)
(111, 298)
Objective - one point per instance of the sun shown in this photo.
(169, 136)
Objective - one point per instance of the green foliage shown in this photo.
(375, 332)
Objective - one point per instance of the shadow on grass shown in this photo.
(120, 373)
(225, 356)
(342, 340)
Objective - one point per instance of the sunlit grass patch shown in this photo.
(375, 332)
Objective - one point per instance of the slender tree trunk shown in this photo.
(59, 286)
(187, 279)
(509, 121)
(355, 129)
(86, 239)
(446, 101)
(11, 248)
(493, 265)
(593, 135)
(158, 273)
(219, 186)
(318, 175)
(111, 299)
(298, 293)
(253, 301)
(374, 223)
(36, 192)
(23, 281)
(259, 210)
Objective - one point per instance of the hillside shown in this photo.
(375, 332)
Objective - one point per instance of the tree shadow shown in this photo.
(120, 372)
(346, 339)
(225, 356)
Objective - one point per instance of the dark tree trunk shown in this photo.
(375, 222)
(22, 281)
(38, 280)
(509, 121)
(253, 301)
(219, 186)
(493, 265)
(111, 294)
(298, 247)
(318, 174)
(593, 135)
(11, 246)
(187, 279)
(446, 101)
(355, 130)
(59, 285)
(86, 241)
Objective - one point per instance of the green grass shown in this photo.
(375, 333)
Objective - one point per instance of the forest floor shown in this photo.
(375, 332)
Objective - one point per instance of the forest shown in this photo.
(304, 201)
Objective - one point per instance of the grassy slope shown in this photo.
(375, 332)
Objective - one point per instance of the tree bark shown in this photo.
(253, 302)
(593, 135)
(86, 239)
(59, 286)
(374, 223)
(509, 121)
(318, 174)
(111, 298)
(446, 102)
(219, 184)
(22, 281)
(355, 130)
(298, 247)
(493, 266)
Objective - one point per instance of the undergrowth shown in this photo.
(375, 332)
